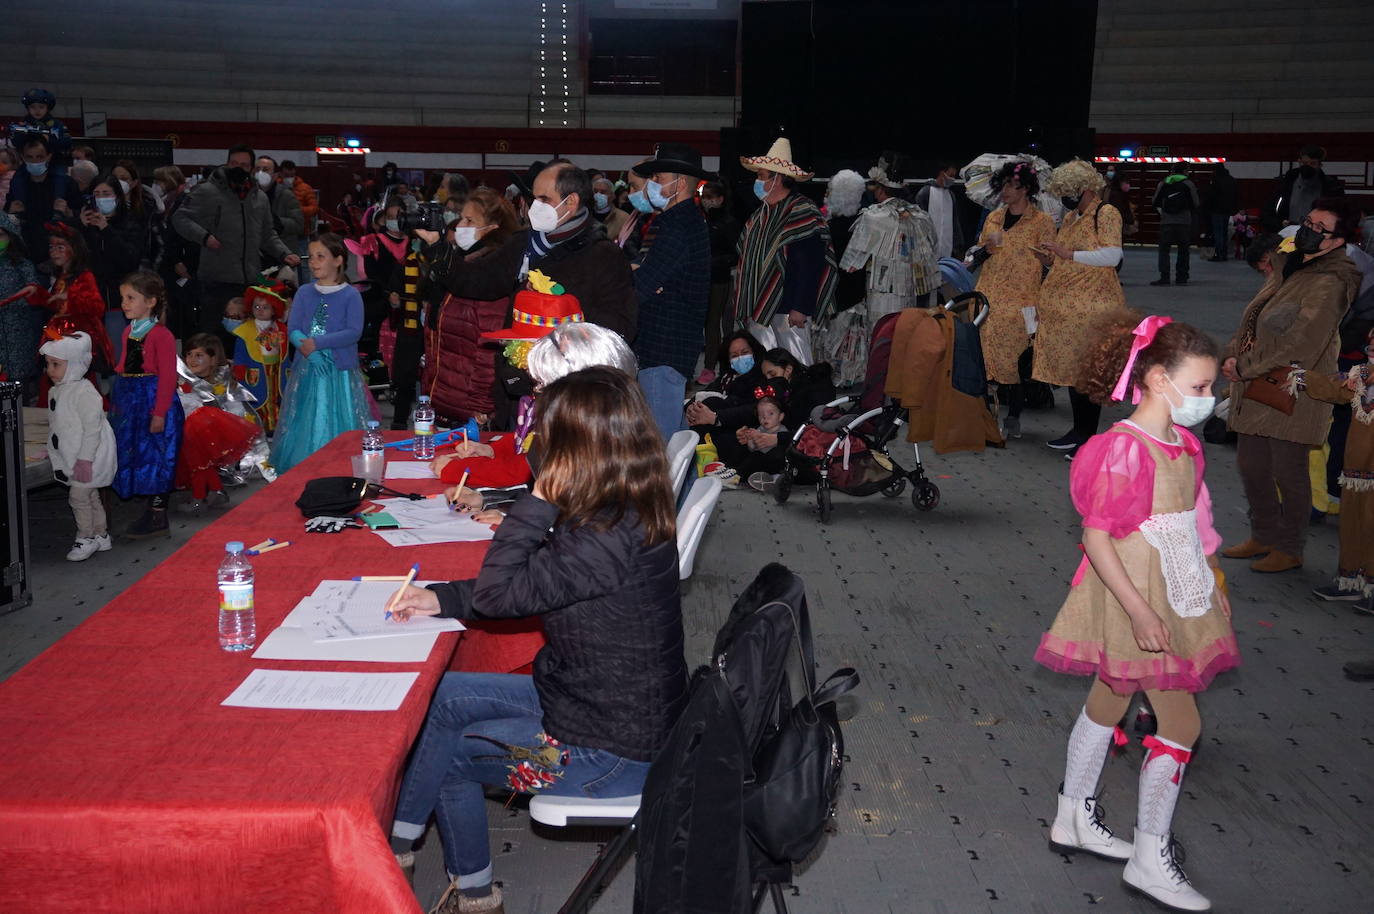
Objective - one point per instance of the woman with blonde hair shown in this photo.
(593, 551)
(1079, 289)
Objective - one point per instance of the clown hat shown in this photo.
(274, 294)
(778, 159)
(536, 314)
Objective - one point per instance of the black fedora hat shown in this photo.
(525, 180)
(674, 158)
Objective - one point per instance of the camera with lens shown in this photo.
(428, 217)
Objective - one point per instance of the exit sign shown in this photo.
(1157, 151)
(326, 140)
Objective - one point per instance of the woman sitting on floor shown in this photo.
(612, 678)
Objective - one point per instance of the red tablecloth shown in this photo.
(125, 786)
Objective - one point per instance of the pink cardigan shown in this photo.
(159, 358)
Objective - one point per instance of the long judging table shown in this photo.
(125, 786)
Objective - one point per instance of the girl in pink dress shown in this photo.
(1147, 610)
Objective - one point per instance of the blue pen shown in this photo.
(414, 570)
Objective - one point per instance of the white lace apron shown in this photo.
(1186, 576)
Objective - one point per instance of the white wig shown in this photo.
(846, 190)
(575, 346)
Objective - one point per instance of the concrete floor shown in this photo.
(956, 738)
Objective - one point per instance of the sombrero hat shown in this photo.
(778, 159)
(535, 314)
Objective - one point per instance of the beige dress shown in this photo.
(1011, 280)
(1074, 295)
(1092, 634)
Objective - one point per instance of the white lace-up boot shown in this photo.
(1078, 826)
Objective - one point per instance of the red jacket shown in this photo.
(459, 369)
(83, 310)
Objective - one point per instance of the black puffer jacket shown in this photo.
(613, 675)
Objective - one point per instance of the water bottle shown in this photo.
(422, 425)
(373, 453)
(238, 627)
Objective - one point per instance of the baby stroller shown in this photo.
(844, 445)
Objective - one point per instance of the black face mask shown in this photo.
(235, 176)
(1307, 171)
(1306, 241)
(1071, 203)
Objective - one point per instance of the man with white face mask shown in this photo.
(287, 217)
(571, 248)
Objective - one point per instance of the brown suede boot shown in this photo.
(1275, 562)
(1249, 549)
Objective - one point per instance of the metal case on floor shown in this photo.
(16, 590)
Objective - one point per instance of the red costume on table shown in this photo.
(505, 468)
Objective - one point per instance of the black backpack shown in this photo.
(1177, 198)
(749, 778)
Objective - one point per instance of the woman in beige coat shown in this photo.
(1294, 320)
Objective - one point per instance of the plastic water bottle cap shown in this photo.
(373, 423)
(234, 547)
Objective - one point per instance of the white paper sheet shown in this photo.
(293, 641)
(424, 512)
(409, 469)
(469, 532)
(351, 610)
(322, 691)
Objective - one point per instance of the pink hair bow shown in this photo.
(1144, 334)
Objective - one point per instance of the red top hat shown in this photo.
(536, 314)
(274, 294)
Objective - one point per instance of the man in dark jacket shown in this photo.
(1176, 200)
(723, 231)
(231, 219)
(1299, 188)
(570, 247)
(673, 283)
(1220, 202)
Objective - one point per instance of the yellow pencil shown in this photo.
(405, 582)
(271, 547)
(263, 545)
(459, 491)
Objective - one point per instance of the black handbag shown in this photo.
(340, 496)
(797, 768)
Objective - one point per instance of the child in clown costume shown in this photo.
(256, 323)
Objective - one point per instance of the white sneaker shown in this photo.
(1156, 871)
(103, 543)
(84, 548)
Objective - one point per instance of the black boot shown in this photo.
(152, 523)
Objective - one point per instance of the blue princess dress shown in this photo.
(325, 394)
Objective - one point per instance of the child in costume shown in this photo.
(81, 444)
(325, 394)
(74, 298)
(255, 321)
(219, 424)
(1147, 610)
(38, 105)
(769, 411)
(145, 412)
(1355, 566)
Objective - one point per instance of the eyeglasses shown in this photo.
(1316, 227)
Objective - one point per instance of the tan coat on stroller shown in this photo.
(920, 377)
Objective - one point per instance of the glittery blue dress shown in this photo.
(325, 394)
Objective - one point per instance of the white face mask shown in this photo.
(264, 180)
(288, 181)
(465, 236)
(544, 217)
(124, 186)
(1192, 410)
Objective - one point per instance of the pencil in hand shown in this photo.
(409, 578)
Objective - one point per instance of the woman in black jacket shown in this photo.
(118, 242)
(593, 550)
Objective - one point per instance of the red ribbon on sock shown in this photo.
(1158, 748)
(1119, 737)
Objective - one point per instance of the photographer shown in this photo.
(393, 273)
(474, 268)
(118, 242)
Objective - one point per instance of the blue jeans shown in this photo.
(1221, 226)
(664, 388)
(478, 725)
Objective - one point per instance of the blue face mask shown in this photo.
(602, 202)
(37, 169)
(654, 190)
(640, 202)
(393, 226)
(106, 205)
(742, 364)
(760, 190)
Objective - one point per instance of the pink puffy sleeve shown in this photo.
(1112, 483)
(1202, 499)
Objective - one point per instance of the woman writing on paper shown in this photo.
(593, 551)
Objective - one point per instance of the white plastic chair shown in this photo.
(561, 812)
(682, 447)
(692, 519)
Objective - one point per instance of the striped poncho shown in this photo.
(758, 290)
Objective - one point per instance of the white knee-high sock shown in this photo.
(1161, 778)
(1088, 744)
